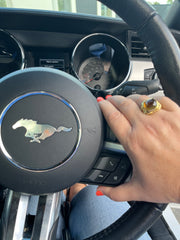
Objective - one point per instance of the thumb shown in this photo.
(125, 192)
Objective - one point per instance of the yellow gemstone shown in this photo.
(150, 106)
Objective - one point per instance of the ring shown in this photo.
(150, 106)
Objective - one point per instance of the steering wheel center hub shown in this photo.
(46, 138)
(51, 130)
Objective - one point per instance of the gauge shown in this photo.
(94, 73)
(101, 62)
(11, 54)
(91, 70)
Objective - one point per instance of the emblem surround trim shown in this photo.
(79, 127)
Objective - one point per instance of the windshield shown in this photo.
(79, 6)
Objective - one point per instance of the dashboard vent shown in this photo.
(138, 50)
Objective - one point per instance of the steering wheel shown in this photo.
(52, 130)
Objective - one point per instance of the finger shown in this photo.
(116, 120)
(124, 192)
(138, 99)
(126, 106)
(167, 103)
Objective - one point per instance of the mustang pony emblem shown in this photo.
(38, 131)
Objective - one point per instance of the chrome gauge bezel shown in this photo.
(103, 35)
(19, 46)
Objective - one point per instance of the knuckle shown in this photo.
(126, 103)
(134, 142)
(167, 101)
(165, 130)
(162, 129)
(111, 196)
(151, 129)
(165, 126)
(114, 116)
(165, 98)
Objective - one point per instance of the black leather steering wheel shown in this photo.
(52, 130)
(165, 55)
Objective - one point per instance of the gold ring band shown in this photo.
(150, 106)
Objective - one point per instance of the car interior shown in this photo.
(53, 66)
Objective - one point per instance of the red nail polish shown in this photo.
(108, 96)
(99, 193)
(99, 99)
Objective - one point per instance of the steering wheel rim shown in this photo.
(160, 44)
(157, 38)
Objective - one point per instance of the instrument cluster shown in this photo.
(100, 61)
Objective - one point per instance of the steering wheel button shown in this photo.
(114, 179)
(107, 163)
(120, 173)
(97, 176)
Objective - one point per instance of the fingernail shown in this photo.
(99, 99)
(108, 96)
(99, 193)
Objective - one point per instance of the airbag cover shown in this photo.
(50, 125)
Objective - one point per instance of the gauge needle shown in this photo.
(89, 80)
(96, 76)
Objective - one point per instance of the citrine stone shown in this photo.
(150, 104)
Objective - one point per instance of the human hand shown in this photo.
(152, 144)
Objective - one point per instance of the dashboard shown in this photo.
(102, 56)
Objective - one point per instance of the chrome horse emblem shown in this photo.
(38, 131)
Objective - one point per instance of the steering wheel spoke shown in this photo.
(30, 216)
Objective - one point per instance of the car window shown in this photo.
(79, 6)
